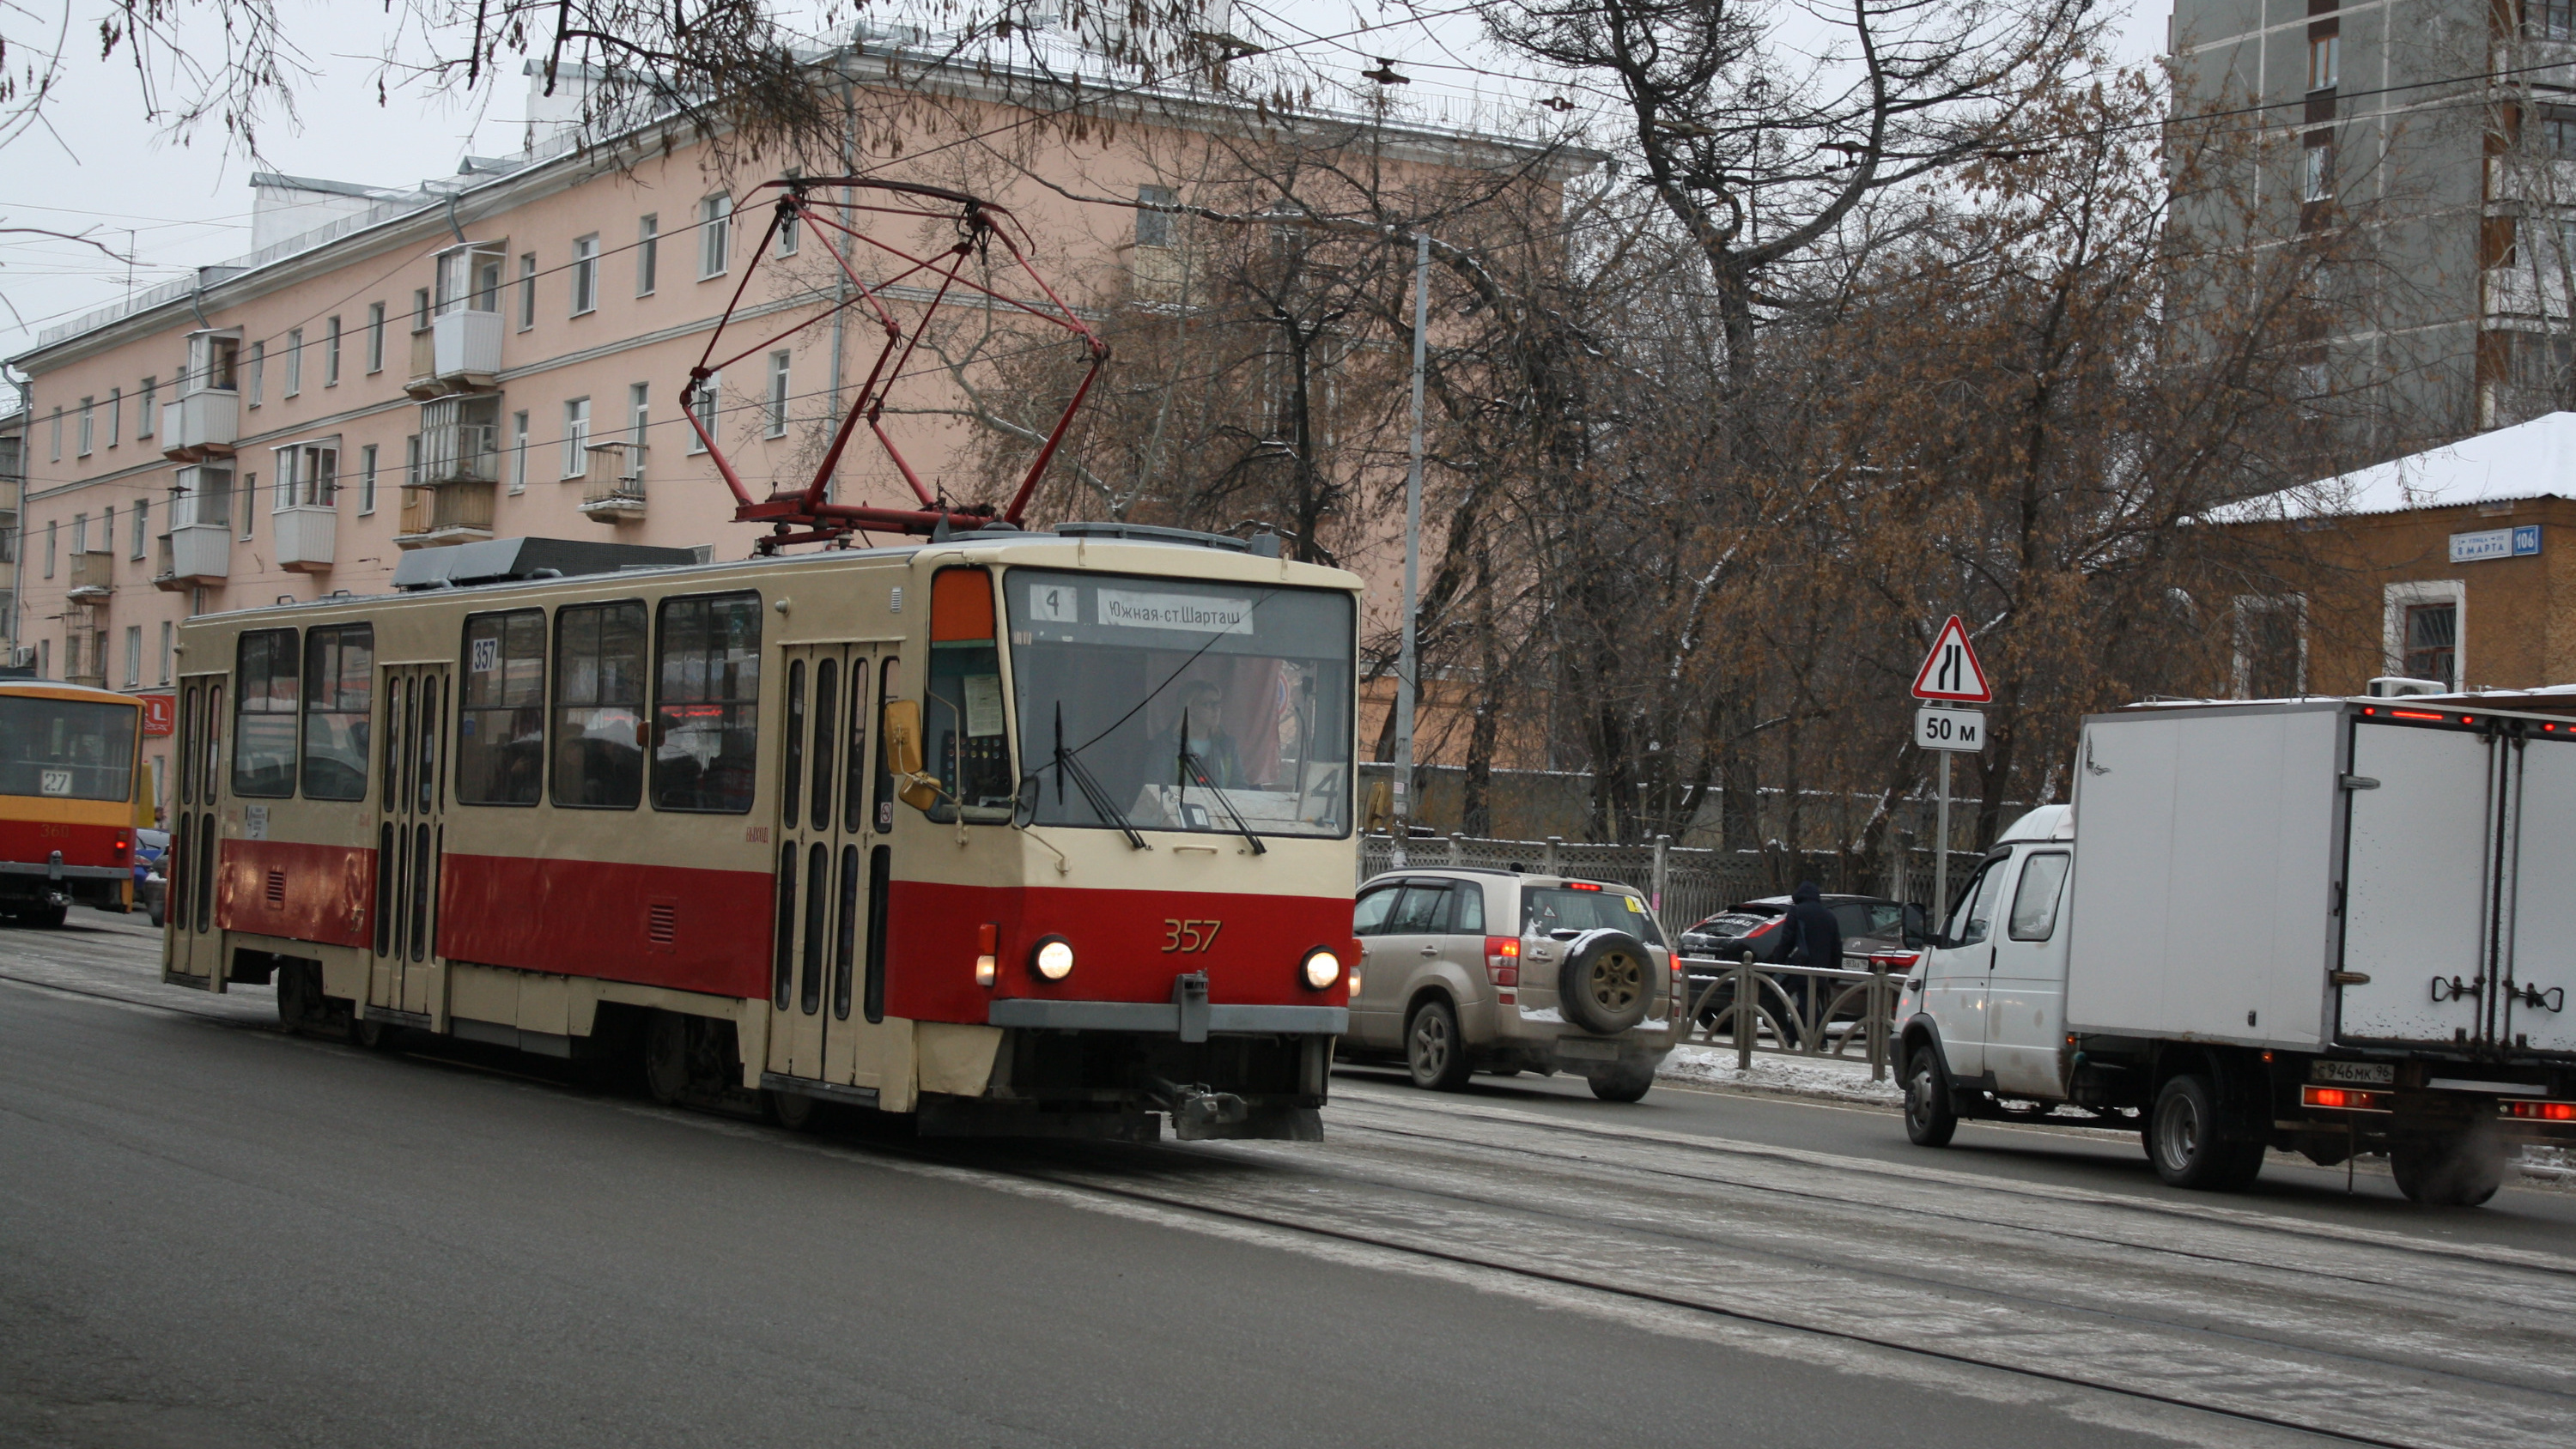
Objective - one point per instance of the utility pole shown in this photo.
(1412, 558)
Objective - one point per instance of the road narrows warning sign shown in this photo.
(1951, 670)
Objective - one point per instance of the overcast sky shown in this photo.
(103, 167)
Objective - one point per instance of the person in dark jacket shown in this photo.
(1814, 938)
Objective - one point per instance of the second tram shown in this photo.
(1025, 833)
(72, 793)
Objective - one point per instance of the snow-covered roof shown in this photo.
(2529, 460)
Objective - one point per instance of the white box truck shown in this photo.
(2331, 926)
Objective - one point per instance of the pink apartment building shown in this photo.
(501, 353)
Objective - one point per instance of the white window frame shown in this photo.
(57, 455)
(576, 437)
(519, 452)
(2316, 173)
(88, 424)
(639, 399)
(246, 489)
(787, 235)
(2396, 599)
(115, 416)
(648, 253)
(142, 526)
(258, 372)
(80, 533)
(527, 290)
(294, 364)
(53, 537)
(133, 656)
(585, 275)
(167, 629)
(331, 353)
(2325, 62)
(715, 236)
(145, 405)
(709, 408)
(366, 480)
(774, 405)
(375, 337)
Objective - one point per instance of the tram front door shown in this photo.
(195, 945)
(411, 840)
(825, 832)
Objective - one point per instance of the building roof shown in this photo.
(2529, 460)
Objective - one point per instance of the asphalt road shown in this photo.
(213, 1234)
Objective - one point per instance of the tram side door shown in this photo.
(821, 859)
(411, 838)
(195, 946)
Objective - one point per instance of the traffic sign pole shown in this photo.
(1941, 852)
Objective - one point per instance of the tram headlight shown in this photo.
(1052, 958)
(1322, 968)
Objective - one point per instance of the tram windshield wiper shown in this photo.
(1194, 768)
(1067, 767)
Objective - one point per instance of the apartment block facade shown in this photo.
(503, 353)
(2440, 137)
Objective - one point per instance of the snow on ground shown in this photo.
(1837, 1079)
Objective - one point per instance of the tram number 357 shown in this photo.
(1189, 936)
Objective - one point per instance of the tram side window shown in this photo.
(962, 715)
(706, 711)
(599, 706)
(501, 711)
(339, 699)
(264, 700)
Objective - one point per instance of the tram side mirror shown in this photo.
(1024, 805)
(903, 754)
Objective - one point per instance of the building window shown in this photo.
(331, 353)
(648, 253)
(2325, 60)
(777, 411)
(294, 362)
(585, 274)
(411, 460)
(788, 226)
(702, 405)
(145, 407)
(2422, 633)
(115, 415)
(2271, 646)
(165, 651)
(715, 235)
(638, 396)
(58, 435)
(142, 525)
(80, 533)
(258, 370)
(367, 479)
(527, 290)
(88, 424)
(52, 536)
(501, 715)
(375, 337)
(250, 506)
(2550, 19)
(133, 656)
(420, 309)
(1154, 228)
(576, 436)
(518, 452)
(2316, 182)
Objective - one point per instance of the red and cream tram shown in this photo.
(1022, 832)
(72, 792)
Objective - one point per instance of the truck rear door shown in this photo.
(2457, 910)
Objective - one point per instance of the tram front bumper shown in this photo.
(1168, 1018)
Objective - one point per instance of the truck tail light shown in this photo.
(2542, 1111)
(2343, 1099)
(1503, 960)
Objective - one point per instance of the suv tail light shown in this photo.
(1503, 960)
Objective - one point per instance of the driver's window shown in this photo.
(2034, 912)
(1976, 913)
(1368, 913)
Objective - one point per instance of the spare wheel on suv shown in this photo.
(1606, 982)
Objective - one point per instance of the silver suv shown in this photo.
(1479, 970)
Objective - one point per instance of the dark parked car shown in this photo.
(1872, 926)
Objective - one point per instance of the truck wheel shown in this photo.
(1433, 1049)
(2184, 1141)
(1930, 1119)
(1605, 987)
(2460, 1169)
(1627, 1082)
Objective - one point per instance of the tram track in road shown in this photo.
(2255, 1318)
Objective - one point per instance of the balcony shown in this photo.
(10, 489)
(201, 425)
(93, 576)
(612, 482)
(458, 352)
(305, 534)
(456, 513)
(192, 554)
(452, 453)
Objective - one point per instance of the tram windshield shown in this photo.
(69, 749)
(1176, 704)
